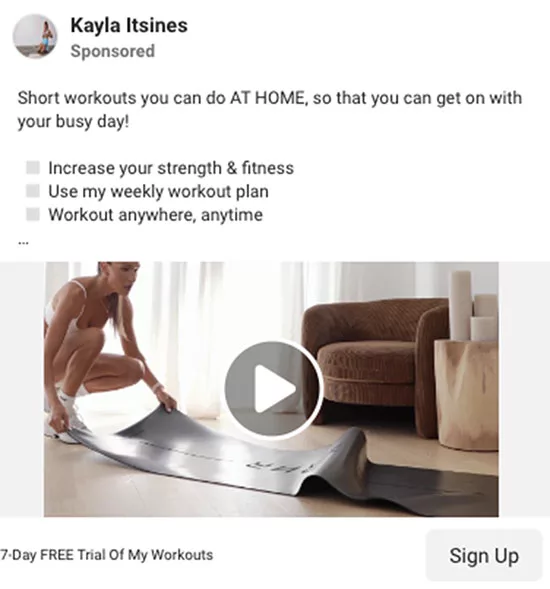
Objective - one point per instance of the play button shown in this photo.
(270, 389)
(265, 388)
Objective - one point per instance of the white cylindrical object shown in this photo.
(485, 305)
(484, 329)
(460, 305)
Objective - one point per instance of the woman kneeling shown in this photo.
(74, 364)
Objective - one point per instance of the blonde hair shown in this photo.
(115, 309)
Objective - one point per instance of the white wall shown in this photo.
(28, 30)
(432, 278)
(56, 275)
(364, 281)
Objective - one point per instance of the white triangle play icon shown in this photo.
(270, 389)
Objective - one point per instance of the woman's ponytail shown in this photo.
(115, 310)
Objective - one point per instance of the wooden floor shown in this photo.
(81, 483)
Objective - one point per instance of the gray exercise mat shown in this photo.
(175, 445)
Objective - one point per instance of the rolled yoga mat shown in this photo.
(176, 445)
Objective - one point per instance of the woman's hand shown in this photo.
(165, 399)
(59, 418)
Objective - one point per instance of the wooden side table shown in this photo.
(466, 378)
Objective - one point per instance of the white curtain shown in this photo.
(193, 319)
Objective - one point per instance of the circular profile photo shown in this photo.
(35, 36)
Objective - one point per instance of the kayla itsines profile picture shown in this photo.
(35, 36)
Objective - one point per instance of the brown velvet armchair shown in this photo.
(376, 353)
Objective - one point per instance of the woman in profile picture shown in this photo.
(46, 36)
(74, 364)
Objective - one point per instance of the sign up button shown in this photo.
(484, 555)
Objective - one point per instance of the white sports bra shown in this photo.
(50, 312)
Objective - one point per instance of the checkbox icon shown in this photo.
(33, 190)
(33, 214)
(33, 167)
